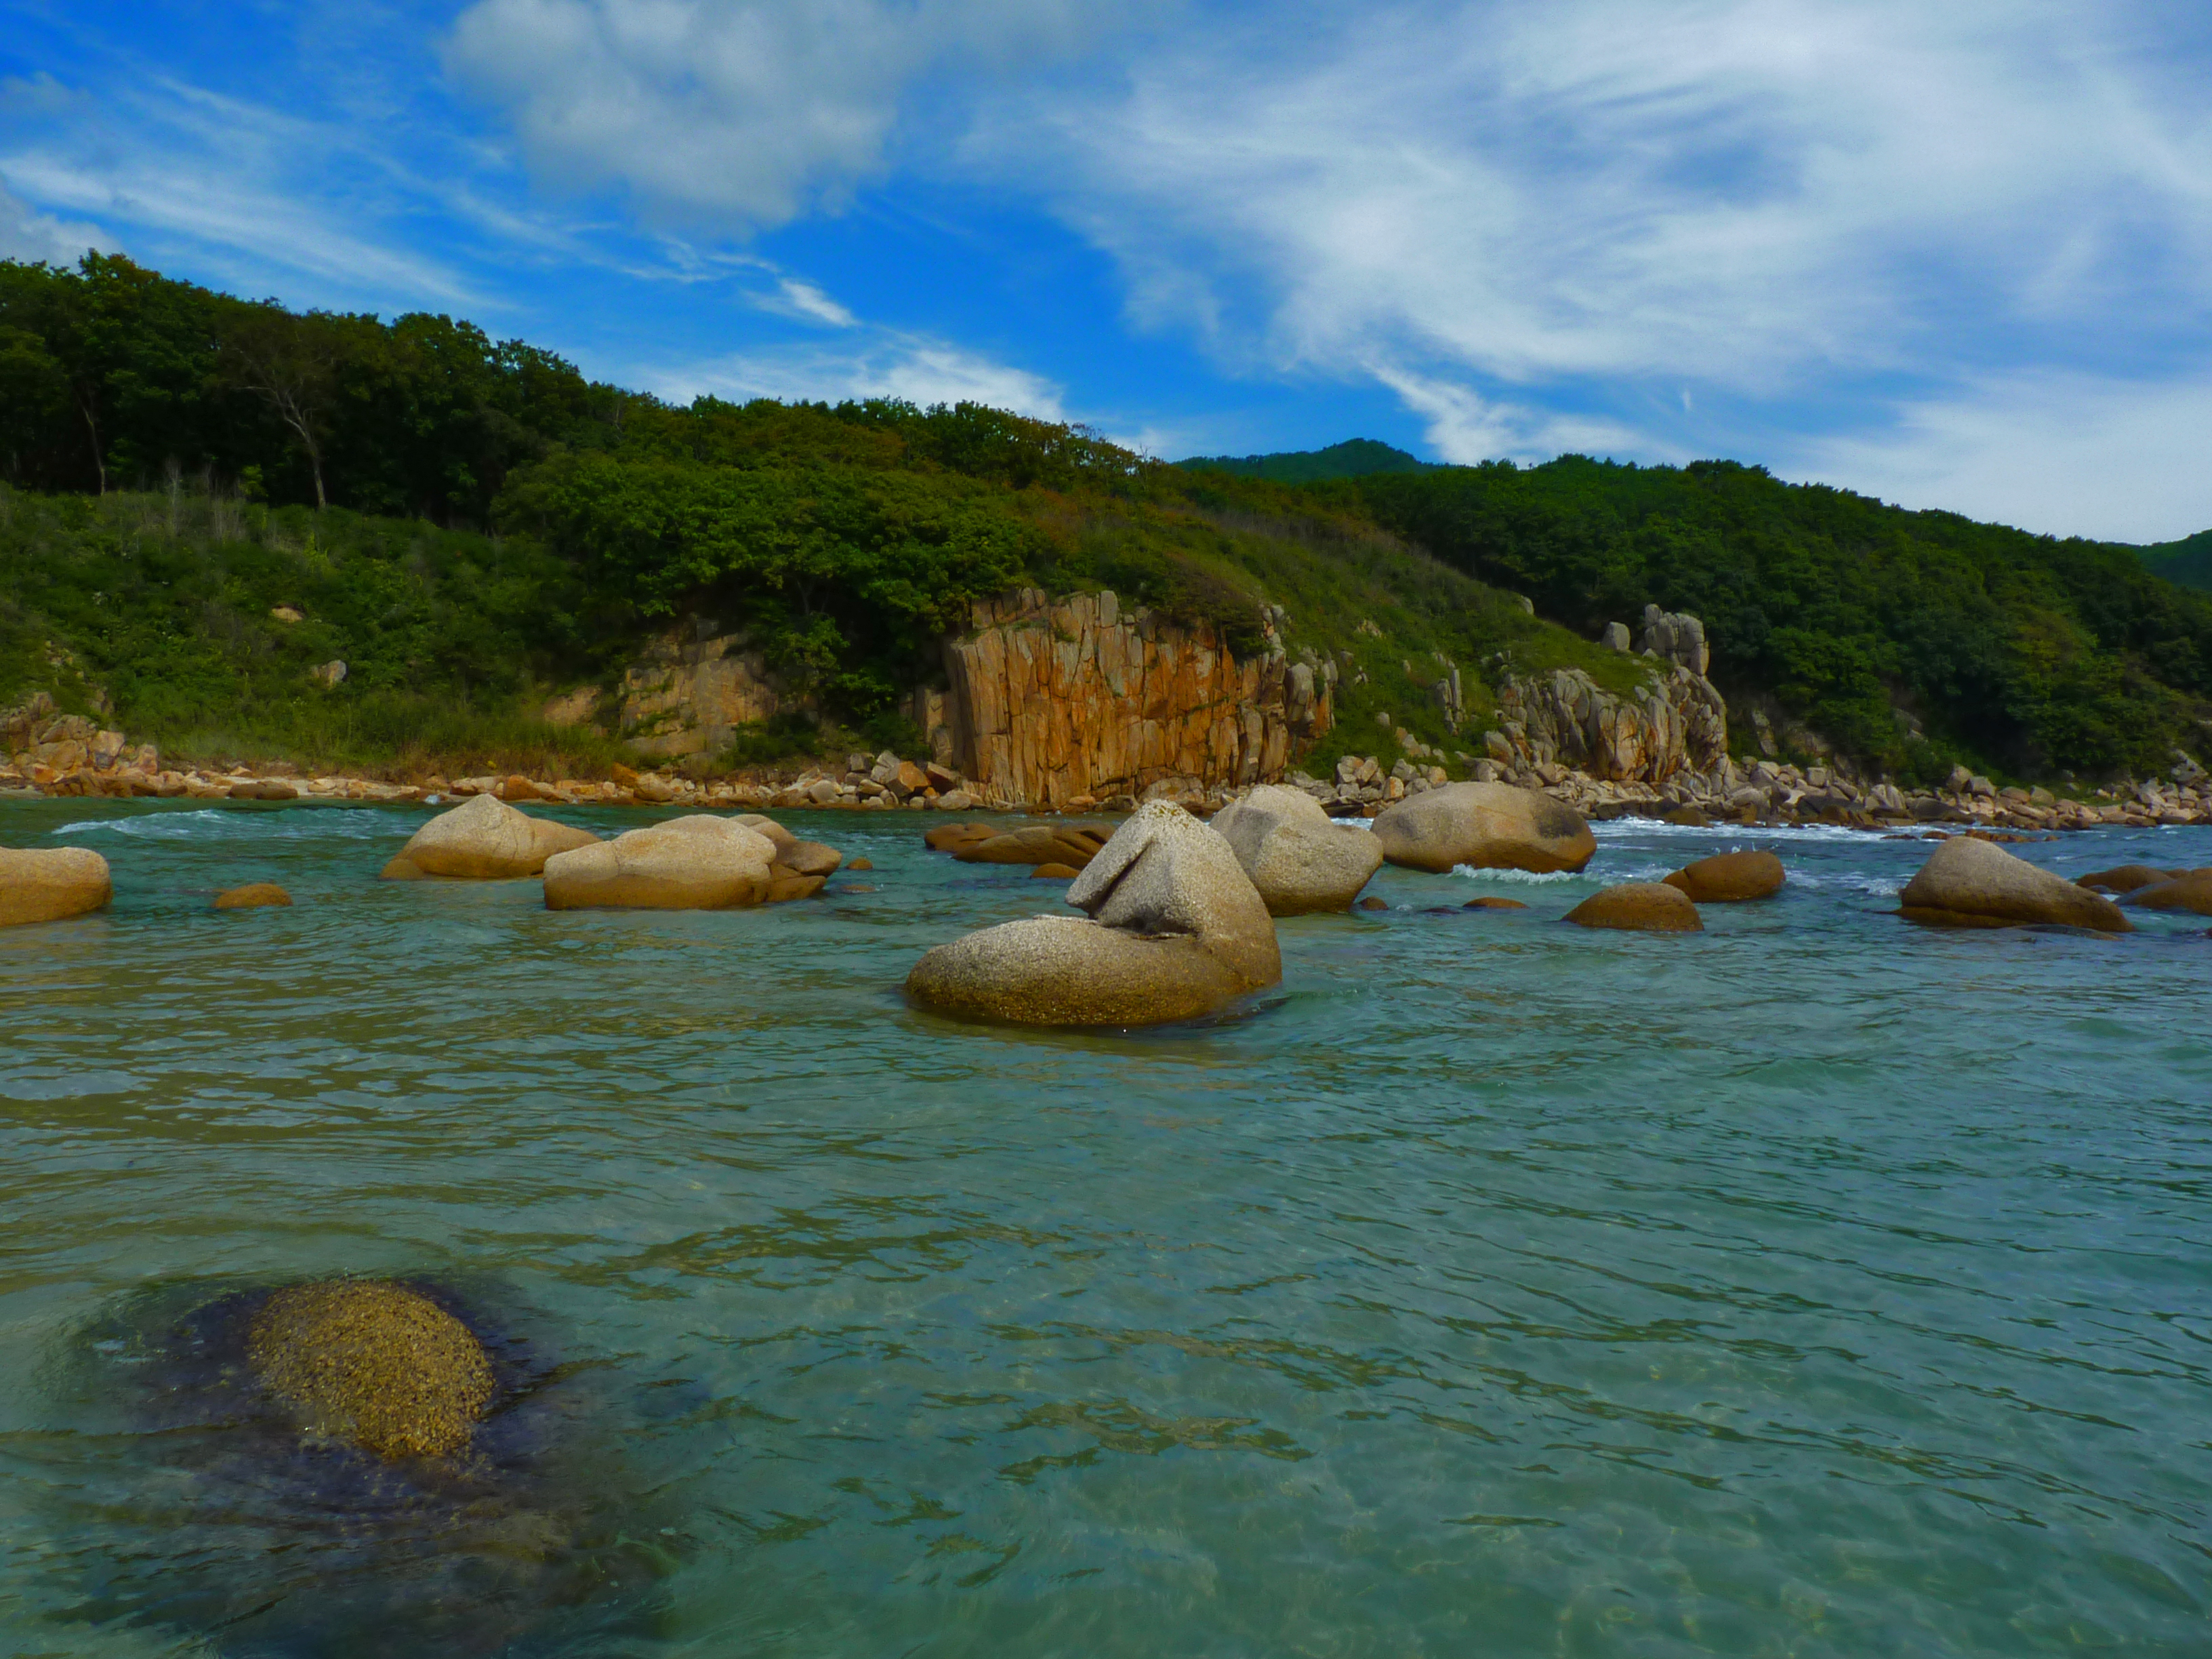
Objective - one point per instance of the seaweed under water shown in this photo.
(228, 1525)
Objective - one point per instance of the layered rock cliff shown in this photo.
(1051, 703)
(1676, 723)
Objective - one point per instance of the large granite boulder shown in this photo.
(1972, 883)
(47, 884)
(2191, 890)
(1174, 929)
(1639, 906)
(801, 867)
(698, 863)
(484, 839)
(1729, 877)
(377, 1364)
(1486, 826)
(1298, 858)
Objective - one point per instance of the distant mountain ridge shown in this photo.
(1355, 458)
(2188, 562)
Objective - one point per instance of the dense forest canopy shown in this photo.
(481, 520)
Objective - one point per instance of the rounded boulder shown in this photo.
(1173, 929)
(1639, 906)
(49, 884)
(1485, 826)
(484, 839)
(2191, 893)
(698, 863)
(1972, 883)
(1299, 859)
(2126, 878)
(1729, 877)
(377, 1364)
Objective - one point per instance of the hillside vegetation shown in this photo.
(2188, 562)
(469, 524)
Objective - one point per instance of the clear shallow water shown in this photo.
(1817, 1284)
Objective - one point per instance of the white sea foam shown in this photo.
(218, 822)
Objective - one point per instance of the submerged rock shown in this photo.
(1489, 902)
(1971, 883)
(1175, 929)
(2125, 878)
(1072, 844)
(1642, 906)
(697, 863)
(484, 839)
(253, 897)
(47, 883)
(947, 836)
(376, 1365)
(1486, 826)
(1731, 878)
(1299, 859)
(2191, 891)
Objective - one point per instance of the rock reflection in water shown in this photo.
(221, 1518)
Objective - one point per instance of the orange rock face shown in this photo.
(1049, 703)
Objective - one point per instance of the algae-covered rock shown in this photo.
(375, 1364)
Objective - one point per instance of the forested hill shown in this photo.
(467, 522)
(1355, 458)
(2188, 562)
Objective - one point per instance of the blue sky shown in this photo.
(1956, 256)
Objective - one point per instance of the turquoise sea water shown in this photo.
(1815, 1285)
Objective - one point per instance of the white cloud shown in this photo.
(731, 112)
(33, 237)
(2061, 455)
(919, 369)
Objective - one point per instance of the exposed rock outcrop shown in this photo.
(1072, 844)
(1486, 826)
(690, 689)
(1677, 723)
(47, 883)
(697, 863)
(1175, 930)
(1050, 703)
(484, 839)
(1298, 857)
(378, 1365)
(1971, 883)
(1680, 639)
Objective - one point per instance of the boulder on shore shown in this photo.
(377, 1364)
(1641, 907)
(2191, 892)
(1972, 883)
(1729, 877)
(254, 896)
(1486, 826)
(1174, 929)
(1300, 859)
(698, 863)
(484, 839)
(47, 883)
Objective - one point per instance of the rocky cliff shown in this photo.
(1677, 723)
(1069, 702)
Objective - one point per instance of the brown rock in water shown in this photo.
(2126, 878)
(1688, 817)
(253, 897)
(1642, 906)
(1487, 902)
(1374, 902)
(1971, 883)
(1054, 872)
(263, 789)
(486, 840)
(48, 883)
(518, 788)
(696, 863)
(785, 884)
(1301, 861)
(1175, 930)
(1486, 826)
(1074, 844)
(947, 836)
(810, 858)
(2192, 892)
(400, 867)
(858, 865)
(375, 1364)
(1729, 877)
